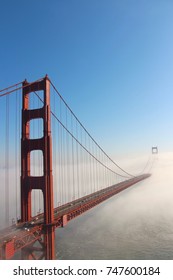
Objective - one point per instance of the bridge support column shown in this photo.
(49, 241)
(45, 182)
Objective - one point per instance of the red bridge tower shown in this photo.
(45, 182)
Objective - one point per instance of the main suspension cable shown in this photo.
(53, 114)
(15, 89)
(88, 132)
(7, 88)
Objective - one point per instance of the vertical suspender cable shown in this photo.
(67, 159)
(16, 140)
(19, 150)
(7, 163)
(91, 167)
(61, 158)
(77, 159)
(59, 165)
(54, 154)
(66, 165)
(82, 166)
(73, 160)
(85, 167)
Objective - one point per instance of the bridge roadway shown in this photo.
(20, 235)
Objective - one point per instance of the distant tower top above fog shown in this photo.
(154, 150)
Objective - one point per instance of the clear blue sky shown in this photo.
(112, 60)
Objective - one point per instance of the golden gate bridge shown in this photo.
(51, 169)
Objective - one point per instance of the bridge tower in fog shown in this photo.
(45, 182)
(154, 150)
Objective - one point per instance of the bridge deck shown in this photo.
(20, 235)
